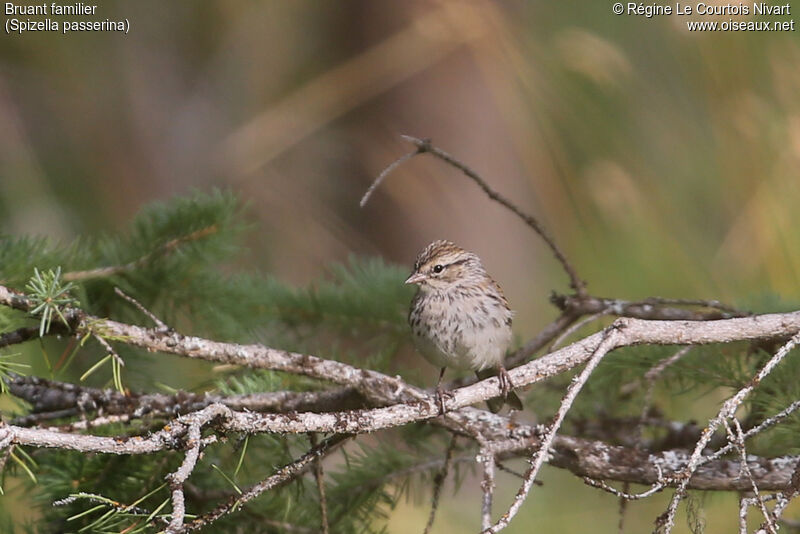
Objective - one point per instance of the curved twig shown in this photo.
(425, 146)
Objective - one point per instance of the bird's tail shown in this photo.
(495, 404)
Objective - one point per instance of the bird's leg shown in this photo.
(505, 381)
(440, 392)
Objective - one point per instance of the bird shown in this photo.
(460, 317)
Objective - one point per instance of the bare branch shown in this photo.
(8, 450)
(388, 170)
(400, 403)
(52, 400)
(541, 339)
(655, 488)
(319, 476)
(574, 328)
(425, 146)
(651, 376)
(163, 439)
(574, 307)
(285, 474)
(381, 388)
(766, 424)
(20, 335)
(438, 483)
(600, 461)
(743, 507)
(166, 248)
(109, 349)
(786, 497)
(712, 304)
(486, 457)
(650, 308)
(177, 478)
(727, 411)
(158, 322)
(607, 343)
(737, 438)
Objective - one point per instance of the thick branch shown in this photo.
(626, 464)
(382, 389)
(51, 399)
(20, 335)
(402, 403)
(650, 308)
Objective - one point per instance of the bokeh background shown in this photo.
(664, 162)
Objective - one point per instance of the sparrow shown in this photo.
(460, 318)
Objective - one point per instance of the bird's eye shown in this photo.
(438, 268)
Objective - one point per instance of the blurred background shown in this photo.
(664, 162)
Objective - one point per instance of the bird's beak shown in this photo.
(415, 278)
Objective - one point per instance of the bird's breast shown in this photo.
(464, 331)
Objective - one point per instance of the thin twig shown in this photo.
(764, 425)
(319, 476)
(622, 509)
(541, 339)
(503, 467)
(109, 349)
(785, 498)
(177, 479)
(392, 166)
(425, 146)
(438, 482)
(487, 458)
(574, 328)
(743, 507)
(8, 450)
(650, 376)
(746, 502)
(727, 410)
(282, 476)
(113, 505)
(607, 342)
(655, 488)
(738, 439)
(166, 248)
(159, 323)
(653, 373)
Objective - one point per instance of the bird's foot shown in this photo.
(505, 381)
(439, 397)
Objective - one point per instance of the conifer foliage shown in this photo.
(238, 403)
(173, 261)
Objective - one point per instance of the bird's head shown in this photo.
(443, 265)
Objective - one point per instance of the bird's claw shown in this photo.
(439, 398)
(505, 381)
